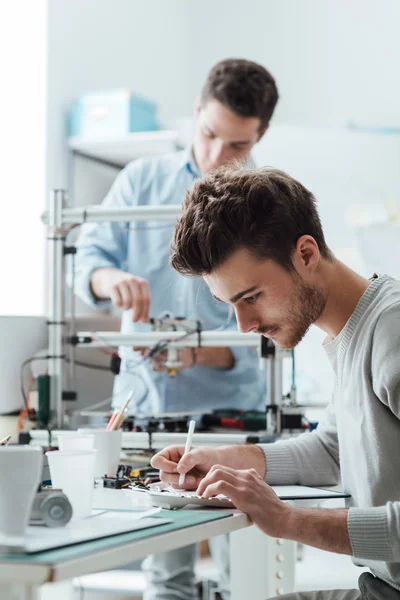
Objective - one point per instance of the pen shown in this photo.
(5, 441)
(187, 448)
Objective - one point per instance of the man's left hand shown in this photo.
(187, 357)
(250, 494)
(219, 358)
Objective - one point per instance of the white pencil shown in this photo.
(188, 445)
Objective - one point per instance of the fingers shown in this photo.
(141, 299)
(216, 474)
(191, 482)
(115, 296)
(192, 459)
(167, 459)
(146, 301)
(125, 292)
(220, 473)
(133, 292)
(173, 462)
(158, 362)
(220, 487)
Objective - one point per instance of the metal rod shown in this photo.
(150, 338)
(72, 328)
(55, 306)
(278, 376)
(95, 214)
(269, 365)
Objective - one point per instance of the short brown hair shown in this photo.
(243, 86)
(263, 210)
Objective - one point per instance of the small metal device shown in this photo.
(169, 323)
(51, 507)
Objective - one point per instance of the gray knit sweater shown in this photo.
(359, 437)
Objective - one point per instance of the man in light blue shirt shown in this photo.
(127, 264)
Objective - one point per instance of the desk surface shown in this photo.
(188, 527)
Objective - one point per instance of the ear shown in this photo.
(262, 132)
(306, 254)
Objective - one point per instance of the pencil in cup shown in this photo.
(188, 445)
(117, 419)
(112, 419)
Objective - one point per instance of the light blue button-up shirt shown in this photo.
(143, 250)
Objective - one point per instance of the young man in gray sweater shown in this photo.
(256, 238)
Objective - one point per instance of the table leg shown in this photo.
(62, 590)
(18, 591)
(261, 567)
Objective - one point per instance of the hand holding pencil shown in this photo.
(188, 445)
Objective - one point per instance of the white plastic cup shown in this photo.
(72, 440)
(108, 446)
(73, 472)
(20, 475)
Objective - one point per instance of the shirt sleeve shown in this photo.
(375, 531)
(105, 244)
(310, 459)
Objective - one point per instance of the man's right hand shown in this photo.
(172, 462)
(125, 291)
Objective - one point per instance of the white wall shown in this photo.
(335, 61)
(23, 155)
(99, 44)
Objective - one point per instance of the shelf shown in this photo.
(120, 150)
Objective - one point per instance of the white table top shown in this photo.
(26, 571)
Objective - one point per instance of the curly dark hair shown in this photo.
(243, 86)
(263, 210)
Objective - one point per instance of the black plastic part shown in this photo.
(114, 483)
(74, 340)
(24, 438)
(72, 395)
(261, 439)
(70, 250)
(291, 421)
(43, 414)
(115, 364)
(267, 348)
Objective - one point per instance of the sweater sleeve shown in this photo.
(385, 367)
(375, 531)
(310, 459)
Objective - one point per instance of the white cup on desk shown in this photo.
(108, 445)
(72, 471)
(72, 440)
(20, 474)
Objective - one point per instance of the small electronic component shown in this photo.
(128, 476)
(116, 483)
